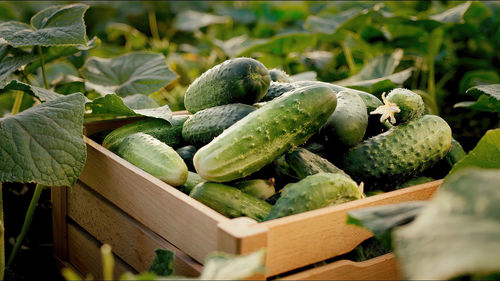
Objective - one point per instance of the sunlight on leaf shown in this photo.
(193, 20)
(41, 93)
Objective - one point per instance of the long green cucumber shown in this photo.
(265, 134)
(314, 192)
(193, 179)
(170, 134)
(404, 151)
(306, 163)
(239, 80)
(154, 157)
(230, 201)
(258, 188)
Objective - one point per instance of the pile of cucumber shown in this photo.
(258, 144)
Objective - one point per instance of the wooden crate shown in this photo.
(117, 203)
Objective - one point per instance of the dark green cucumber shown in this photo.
(314, 192)
(278, 75)
(193, 179)
(415, 181)
(170, 134)
(316, 147)
(305, 163)
(283, 172)
(203, 126)
(154, 157)
(258, 188)
(240, 80)
(265, 134)
(386, 160)
(230, 201)
(455, 154)
(187, 153)
(411, 105)
(277, 89)
(347, 125)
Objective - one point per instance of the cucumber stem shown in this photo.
(349, 58)
(44, 73)
(2, 236)
(16, 107)
(27, 222)
(108, 262)
(153, 26)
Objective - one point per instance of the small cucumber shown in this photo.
(230, 201)
(390, 158)
(276, 89)
(265, 134)
(306, 163)
(278, 75)
(193, 179)
(258, 188)
(170, 134)
(347, 125)
(455, 154)
(411, 105)
(187, 153)
(203, 126)
(240, 80)
(314, 192)
(415, 181)
(154, 157)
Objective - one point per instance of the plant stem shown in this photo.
(349, 58)
(108, 262)
(44, 73)
(27, 222)
(153, 25)
(2, 236)
(16, 107)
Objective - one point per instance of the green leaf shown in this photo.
(192, 20)
(486, 154)
(477, 78)
(40, 93)
(112, 106)
(140, 102)
(134, 37)
(457, 232)
(9, 64)
(133, 73)
(221, 266)
(381, 220)
(492, 90)
(397, 78)
(56, 71)
(305, 76)
(453, 15)
(163, 264)
(44, 143)
(330, 23)
(484, 103)
(52, 26)
(282, 44)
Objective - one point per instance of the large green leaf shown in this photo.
(486, 154)
(282, 44)
(381, 220)
(397, 78)
(40, 93)
(329, 24)
(140, 102)
(9, 64)
(193, 20)
(112, 106)
(44, 144)
(133, 73)
(457, 233)
(489, 98)
(381, 66)
(52, 26)
(221, 266)
(453, 15)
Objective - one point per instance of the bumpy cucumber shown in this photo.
(187, 153)
(306, 163)
(193, 179)
(258, 188)
(203, 126)
(170, 134)
(277, 89)
(154, 157)
(240, 80)
(230, 201)
(278, 75)
(411, 105)
(404, 151)
(347, 125)
(265, 134)
(317, 147)
(314, 192)
(414, 181)
(283, 172)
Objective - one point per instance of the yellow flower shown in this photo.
(388, 109)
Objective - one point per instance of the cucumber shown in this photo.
(170, 134)
(314, 192)
(154, 157)
(265, 134)
(305, 163)
(283, 172)
(316, 147)
(203, 126)
(258, 188)
(411, 105)
(347, 125)
(278, 75)
(187, 153)
(193, 179)
(415, 181)
(455, 154)
(229, 201)
(276, 89)
(390, 158)
(240, 80)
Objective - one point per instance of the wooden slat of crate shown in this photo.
(183, 221)
(130, 240)
(380, 268)
(85, 255)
